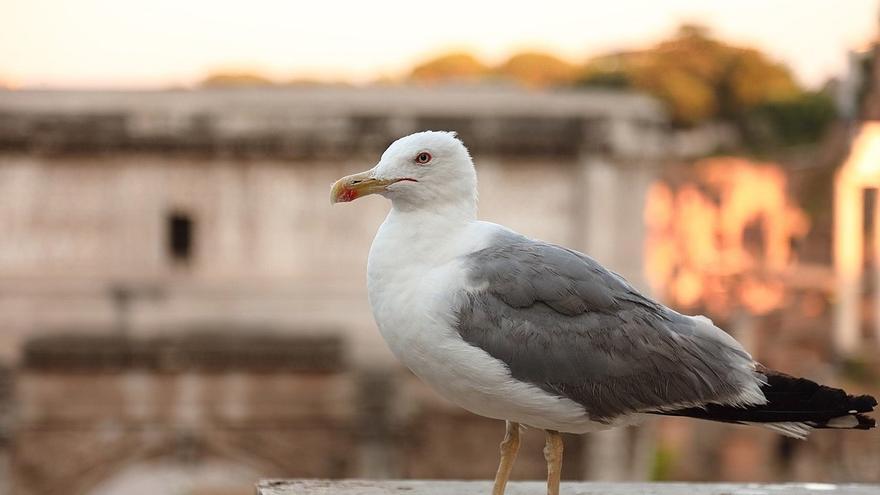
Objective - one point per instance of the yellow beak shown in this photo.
(356, 186)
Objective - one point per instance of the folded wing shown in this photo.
(562, 322)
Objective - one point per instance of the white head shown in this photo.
(427, 170)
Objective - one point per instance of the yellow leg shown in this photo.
(553, 455)
(509, 448)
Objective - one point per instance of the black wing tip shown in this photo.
(862, 422)
(814, 394)
(865, 422)
(864, 403)
(794, 400)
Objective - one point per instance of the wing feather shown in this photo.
(561, 321)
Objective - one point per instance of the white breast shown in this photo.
(411, 293)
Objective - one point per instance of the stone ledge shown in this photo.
(306, 123)
(430, 487)
(222, 350)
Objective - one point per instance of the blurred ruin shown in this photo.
(183, 311)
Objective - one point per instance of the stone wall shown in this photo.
(92, 409)
(169, 260)
(119, 415)
(93, 186)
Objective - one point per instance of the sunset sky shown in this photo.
(156, 43)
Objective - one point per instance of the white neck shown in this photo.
(449, 213)
(422, 233)
(410, 240)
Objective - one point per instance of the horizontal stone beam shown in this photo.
(430, 487)
(229, 348)
(326, 122)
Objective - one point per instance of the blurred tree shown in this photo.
(234, 80)
(535, 69)
(697, 76)
(753, 80)
(452, 66)
(799, 119)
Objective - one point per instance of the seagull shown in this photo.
(543, 336)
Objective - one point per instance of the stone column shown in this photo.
(607, 456)
(848, 262)
(6, 427)
(596, 221)
(595, 232)
(609, 226)
(875, 245)
(609, 215)
(375, 424)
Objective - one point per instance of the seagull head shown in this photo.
(424, 170)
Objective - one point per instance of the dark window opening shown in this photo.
(180, 230)
(869, 257)
(786, 449)
(869, 205)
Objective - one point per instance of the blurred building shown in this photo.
(857, 210)
(183, 310)
(141, 213)
(182, 307)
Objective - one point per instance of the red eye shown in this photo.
(423, 157)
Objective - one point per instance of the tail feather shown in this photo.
(794, 406)
(794, 430)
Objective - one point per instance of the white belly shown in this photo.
(414, 319)
(412, 277)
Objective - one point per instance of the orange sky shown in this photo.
(154, 43)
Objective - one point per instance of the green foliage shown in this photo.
(235, 80)
(532, 69)
(698, 77)
(537, 69)
(858, 370)
(616, 79)
(865, 69)
(800, 119)
(662, 464)
(452, 66)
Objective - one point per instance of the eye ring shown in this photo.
(423, 158)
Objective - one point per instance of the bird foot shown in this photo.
(509, 449)
(553, 455)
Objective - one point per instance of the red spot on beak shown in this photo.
(348, 195)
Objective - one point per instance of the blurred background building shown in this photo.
(183, 312)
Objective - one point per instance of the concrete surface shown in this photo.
(429, 487)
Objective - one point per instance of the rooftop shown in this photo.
(317, 120)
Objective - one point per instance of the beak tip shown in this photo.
(336, 191)
(343, 195)
(353, 187)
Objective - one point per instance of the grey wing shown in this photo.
(562, 322)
